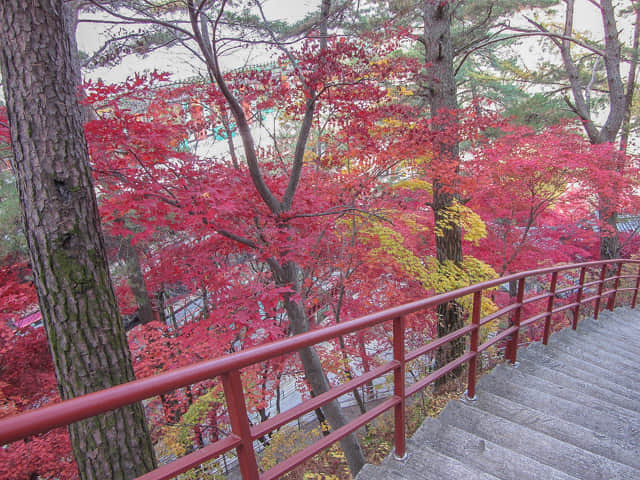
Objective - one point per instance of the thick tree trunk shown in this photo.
(51, 164)
(440, 91)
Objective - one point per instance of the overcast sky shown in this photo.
(182, 64)
(90, 37)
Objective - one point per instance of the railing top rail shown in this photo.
(69, 411)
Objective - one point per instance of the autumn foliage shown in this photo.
(361, 227)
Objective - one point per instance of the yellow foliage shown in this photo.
(309, 156)
(172, 441)
(448, 276)
(434, 276)
(470, 222)
(177, 439)
(415, 222)
(414, 185)
(394, 122)
(392, 244)
(405, 91)
(319, 476)
(286, 442)
(290, 440)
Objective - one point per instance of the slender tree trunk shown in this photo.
(440, 91)
(51, 164)
(135, 278)
(619, 105)
(289, 274)
(631, 81)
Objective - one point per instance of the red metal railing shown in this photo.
(228, 368)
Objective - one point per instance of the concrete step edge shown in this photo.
(539, 446)
(483, 455)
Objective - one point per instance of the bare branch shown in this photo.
(237, 238)
(144, 20)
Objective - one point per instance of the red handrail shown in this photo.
(228, 369)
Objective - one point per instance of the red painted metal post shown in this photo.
(512, 347)
(635, 292)
(399, 388)
(547, 319)
(612, 298)
(240, 424)
(596, 308)
(473, 347)
(576, 310)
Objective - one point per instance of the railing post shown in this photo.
(547, 319)
(473, 347)
(603, 274)
(635, 293)
(612, 298)
(239, 420)
(576, 310)
(399, 388)
(512, 347)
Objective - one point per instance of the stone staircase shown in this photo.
(569, 410)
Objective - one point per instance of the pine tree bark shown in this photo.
(51, 165)
(440, 92)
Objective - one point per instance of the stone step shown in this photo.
(555, 425)
(612, 343)
(590, 372)
(372, 472)
(538, 446)
(610, 392)
(482, 454)
(586, 396)
(614, 332)
(583, 410)
(567, 342)
(586, 359)
(424, 463)
(624, 318)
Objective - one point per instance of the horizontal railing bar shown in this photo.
(498, 313)
(432, 377)
(311, 404)
(533, 319)
(537, 298)
(626, 289)
(329, 440)
(631, 277)
(69, 411)
(590, 299)
(501, 336)
(568, 306)
(191, 460)
(434, 344)
(567, 289)
(593, 284)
